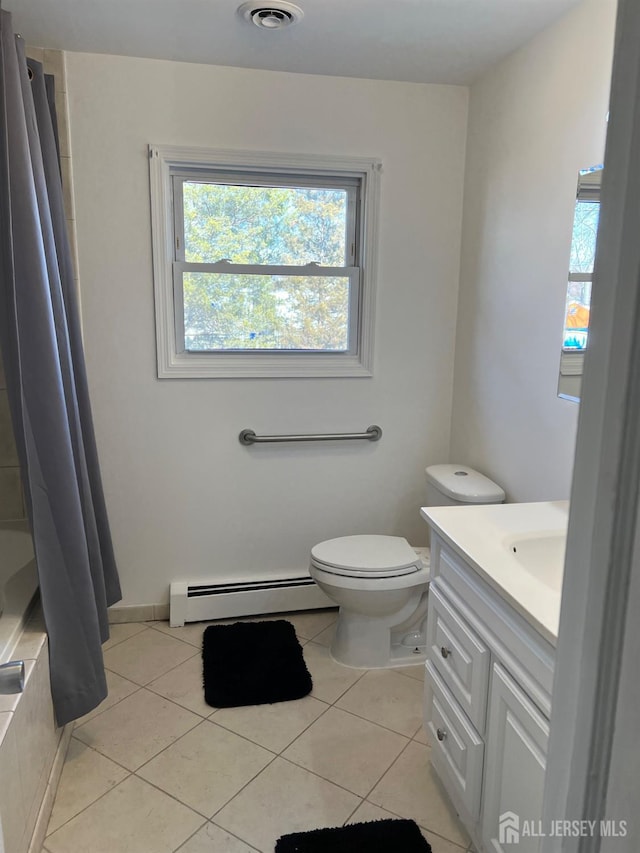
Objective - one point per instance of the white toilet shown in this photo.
(381, 582)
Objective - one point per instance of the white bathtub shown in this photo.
(32, 748)
(18, 582)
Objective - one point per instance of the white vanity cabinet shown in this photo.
(487, 703)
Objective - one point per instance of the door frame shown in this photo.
(600, 558)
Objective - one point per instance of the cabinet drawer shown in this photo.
(457, 750)
(460, 657)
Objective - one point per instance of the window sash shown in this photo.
(351, 185)
(307, 271)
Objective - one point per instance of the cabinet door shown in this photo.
(515, 763)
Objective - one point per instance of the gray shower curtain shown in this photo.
(46, 380)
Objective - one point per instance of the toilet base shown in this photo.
(362, 642)
(397, 658)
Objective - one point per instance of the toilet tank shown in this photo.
(459, 485)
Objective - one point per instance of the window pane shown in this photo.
(585, 232)
(264, 225)
(576, 322)
(224, 311)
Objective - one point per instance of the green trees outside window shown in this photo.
(265, 226)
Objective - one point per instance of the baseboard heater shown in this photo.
(224, 599)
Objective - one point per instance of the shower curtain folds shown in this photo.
(47, 388)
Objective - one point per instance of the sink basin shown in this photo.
(518, 549)
(541, 556)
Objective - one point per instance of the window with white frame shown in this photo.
(263, 263)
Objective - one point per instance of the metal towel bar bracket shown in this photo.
(248, 436)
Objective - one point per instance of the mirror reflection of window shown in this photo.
(583, 251)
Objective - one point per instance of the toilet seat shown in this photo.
(366, 556)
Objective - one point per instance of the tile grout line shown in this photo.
(256, 743)
(363, 673)
(355, 716)
(146, 686)
(166, 672)
(124, 639)
(393, 763)
(100, 713)
(355, 810)
(275, 754)
(399, 670)
(138, 688)
(191, 728)
(329, 781)
(198, 648)
(375, 723)
(203, 720)
(187, 840)
(132, 773)
(235, 835)
(177, 799)
(318, 775)
(158, 677)
(363, 799)
(206, 819)
(238, 792)
(280, 755)
(93, 802)
(255, 776)
(223, 621)
(95, 749)
(421, 825)
(366, 796)
(181, 707)
(222, 829)
(400, 817)
(166, 633)
(385, 809)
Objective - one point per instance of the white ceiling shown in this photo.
(424, 41)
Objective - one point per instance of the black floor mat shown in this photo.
(253, 663)
(378, 836)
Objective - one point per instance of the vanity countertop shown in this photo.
(518, 549)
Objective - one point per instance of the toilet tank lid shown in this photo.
(373, 553)
(463, 484)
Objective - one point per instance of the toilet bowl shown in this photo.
(380, 584)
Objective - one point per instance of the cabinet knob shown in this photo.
(441, 734)
(445, 652)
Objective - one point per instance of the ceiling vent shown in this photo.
(274, 17)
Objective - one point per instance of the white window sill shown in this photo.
(247, 365)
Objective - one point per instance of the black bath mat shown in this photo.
(253, 663)
(378, 836)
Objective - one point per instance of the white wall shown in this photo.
(185, 499)
(534, 121)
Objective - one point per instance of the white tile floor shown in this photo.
(156, 770)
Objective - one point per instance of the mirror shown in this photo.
(578, 302)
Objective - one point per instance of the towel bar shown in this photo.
(248, 436)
